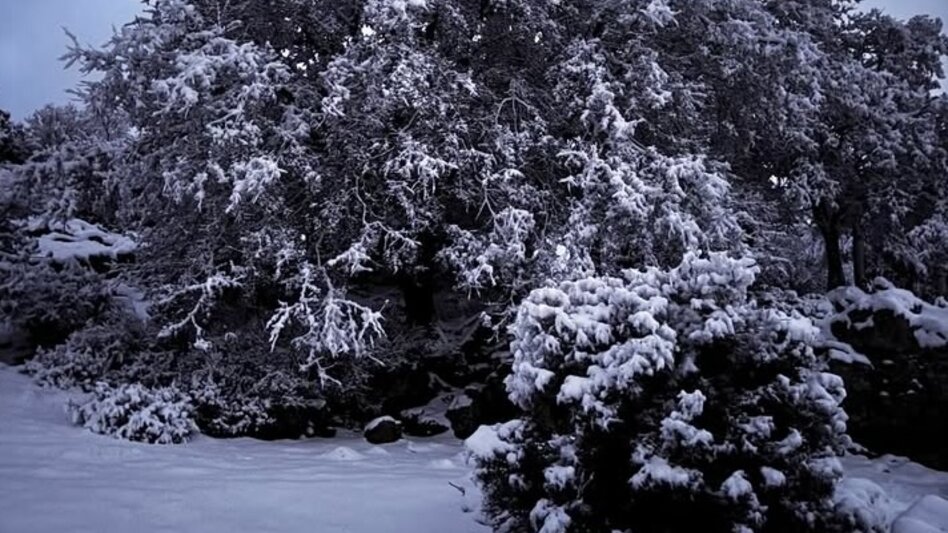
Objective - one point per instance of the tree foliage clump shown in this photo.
(664, 400)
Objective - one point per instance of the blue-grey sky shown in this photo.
(32, 40)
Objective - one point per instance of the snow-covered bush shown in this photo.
(239, 387)
(48, 301)
(88, 354)
(901, 318)
(221, 416)
(48, 286)
(135, 412)
(663, 401)
(272, 403)
(288, 167)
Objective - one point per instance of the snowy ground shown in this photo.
(55, 477)
(914, 499)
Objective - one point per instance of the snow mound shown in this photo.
(865, 502)
(343, 453)
(442, 464)
(485, 443)
(77, 239)
(928, 515)
(903, 485)
(378, 451)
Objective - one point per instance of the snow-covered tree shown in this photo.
(51, 201)
(866, 155)
(13, 148)
(221, 152)
(661, 400)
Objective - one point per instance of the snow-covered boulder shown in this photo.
(477, 406)
(427, 420)
(460, 415)
(383, 430)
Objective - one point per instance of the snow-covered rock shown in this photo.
(428, 420)
(383, 430)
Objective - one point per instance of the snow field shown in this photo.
(57, 478)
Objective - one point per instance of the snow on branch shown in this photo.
(330, 323)
(208, 291)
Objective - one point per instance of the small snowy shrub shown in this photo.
(240, 388)
(89, 354)
(135, 412)
(50, 301)
(662, 402)
(279, 405)
(222, 415)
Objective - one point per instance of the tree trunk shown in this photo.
(859, 258)
(834, 259)
(419, 300)
(418, 285)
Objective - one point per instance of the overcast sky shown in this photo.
(32, 40)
